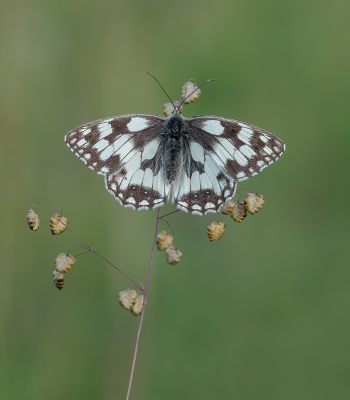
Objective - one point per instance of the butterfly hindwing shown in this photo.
(242, 150)
(126, 149)
(202, 187)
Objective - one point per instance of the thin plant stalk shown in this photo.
(143, 307)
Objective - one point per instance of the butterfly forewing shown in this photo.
(242, 150)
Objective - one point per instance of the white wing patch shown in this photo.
(131, 167)
(213, 127)
(245, 134)
(197, 152)
(105, 129)
(86, 132)
(148, 178)
(137, 124)
(211, 168)
(101, 145)
(205, 181)
(247, 151)
(150, 150)
(195, 182)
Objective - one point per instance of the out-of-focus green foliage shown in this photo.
(261, 314)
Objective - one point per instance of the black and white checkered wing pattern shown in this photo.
(127, 151)
(195, 162)
(220, 153)
(241, 150)
(203, 186)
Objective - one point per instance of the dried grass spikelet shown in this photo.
(192, 91)
(58, 279)
(239, 212)
(127, 298)
(173, 255)
(168, 108)
(228, 207)
(254, 202)
(164, 240)
(56, 226)
(64, 262)
(136, 309)
(215, 230)
(33, 220)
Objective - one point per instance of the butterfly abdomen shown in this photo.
(173, 147)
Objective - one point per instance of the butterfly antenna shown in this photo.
(209, 80)
(161, 88)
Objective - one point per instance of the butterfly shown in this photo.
(195, 162)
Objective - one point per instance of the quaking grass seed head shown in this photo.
(215, 230)
(127, 298)
(58, 279)
(239, 212)
(228, 207)
(56, 226)
(173, 255)
(254, 202)
(136, 309)
(33, 220)
(164, 240)
(64, 262)
(190, 93)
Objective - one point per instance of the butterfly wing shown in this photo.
(127, 150)
(219, 153)
(202, 186)
(241, 150)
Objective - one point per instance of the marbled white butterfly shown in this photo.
(195, 162)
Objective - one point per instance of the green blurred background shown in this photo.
(261, 314)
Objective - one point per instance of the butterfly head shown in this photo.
(177, 108)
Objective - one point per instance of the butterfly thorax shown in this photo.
(174, 136)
